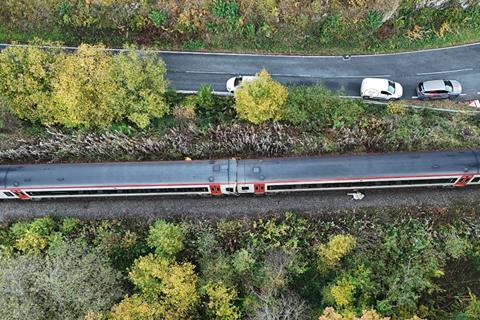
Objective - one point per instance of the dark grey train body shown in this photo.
(241, 176)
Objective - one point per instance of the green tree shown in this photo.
(261, 100)
(337, 247)
(19, 295)
(141, 85)
(84, 89)
(33, 237)
(167, 291)
(77, 279)
(68, 282)
(219, 304)
(26, 75)
(166, 238)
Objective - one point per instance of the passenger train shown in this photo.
(237, 177)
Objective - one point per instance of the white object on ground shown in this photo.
(356, 195)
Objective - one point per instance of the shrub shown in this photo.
(261, 100)
(140, 86)
(205, 98)
(33, 237)
(186, 110)
(166, 238)
(315, 107)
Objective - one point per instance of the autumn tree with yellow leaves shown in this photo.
(261, 99)
(88, 88)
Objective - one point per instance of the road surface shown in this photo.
(187, 71)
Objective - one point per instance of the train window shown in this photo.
(353, 184)
(229, 189)
(53, 193)
(475, 180)
(8, 194)
(245, 188)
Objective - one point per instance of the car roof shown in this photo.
(434, 85)
(380, 84)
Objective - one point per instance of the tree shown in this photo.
(219, 304)
(261, 99)
(337, 247)
(26, 76)
(84, 89)
(77, 280)
(167, 291)
(166, 238)
(141, 85)
(19, 295)
(67, 283)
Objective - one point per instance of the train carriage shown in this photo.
(257, 176)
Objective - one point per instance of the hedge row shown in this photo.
(273, 25)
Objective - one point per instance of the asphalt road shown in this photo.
(230, 206)
(186, 71)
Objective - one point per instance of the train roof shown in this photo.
(121, 174)
(366, 166)
(3, 176)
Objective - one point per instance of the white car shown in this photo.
(235, 82)
(382, 89)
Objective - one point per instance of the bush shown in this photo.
(261, 100)
(166, 238)
(33, 237)
(205, 98)
(315, 107)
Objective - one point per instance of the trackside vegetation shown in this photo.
(310, 26)
(87, 88)
(411, 263)
(92, 105)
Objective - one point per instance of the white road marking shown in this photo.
(440, 72)
(266, 55)
(218, 93)
(463, 94)
(414, 97)
(206, 72)
(291, 75)
(369, 76)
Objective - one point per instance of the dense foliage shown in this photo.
(315, 122)
(88, 88)
(261, 99)
(268, 25)
(401, 263)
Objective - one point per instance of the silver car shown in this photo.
(438, 89)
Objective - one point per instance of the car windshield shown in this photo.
(237, 81)
(391, 87)
(448, 86)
